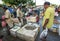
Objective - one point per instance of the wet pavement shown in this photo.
(51, 36)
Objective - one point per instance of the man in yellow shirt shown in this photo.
(48, 16)
(47, 20)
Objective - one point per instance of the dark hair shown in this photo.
(47, 3)
(5, 7)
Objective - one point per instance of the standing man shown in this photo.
(20, 14)
(8, 17)
(48, 17)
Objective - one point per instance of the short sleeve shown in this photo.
(47, 14)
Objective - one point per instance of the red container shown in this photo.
(3, 17)
(0, 39)
(3, 24)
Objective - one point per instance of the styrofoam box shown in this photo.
(28, 35)
(18, 24)
(31, 19)
(53, 29)
(13, 30)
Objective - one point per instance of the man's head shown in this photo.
(5, 7)
(34, 13)
(20, 6)
(46, 4)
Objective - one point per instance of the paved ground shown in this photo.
(51, 36)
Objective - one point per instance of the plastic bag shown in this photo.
(44, 34)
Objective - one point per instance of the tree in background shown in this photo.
(16, 2)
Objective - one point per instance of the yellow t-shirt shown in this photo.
(49, 14)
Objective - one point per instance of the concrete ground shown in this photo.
(51, 36)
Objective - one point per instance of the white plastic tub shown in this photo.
(14, 30)
(28, 32)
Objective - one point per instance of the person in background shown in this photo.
(59, 10)
(14, 12)
(36, 15)
(10, 9)
(31, 11)
(48, 16)
(1, 14)
(19, 14)
(8, 17)
(57, 17)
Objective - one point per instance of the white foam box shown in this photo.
(28, 34)
(18, 24)
(14, 30)
(31, 19)
(36, 25)
(53, 29)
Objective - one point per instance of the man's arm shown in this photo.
(47, 16)
(46, 22)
